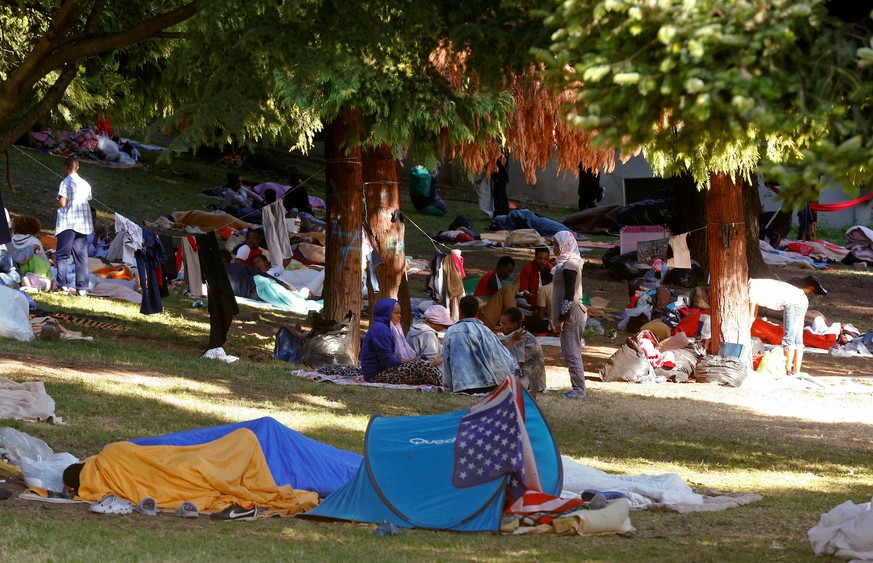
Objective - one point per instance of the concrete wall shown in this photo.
(555, 189)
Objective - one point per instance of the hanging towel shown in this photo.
(681, 254)
(276, 233)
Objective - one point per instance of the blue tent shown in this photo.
(293, 458)
(406, 477)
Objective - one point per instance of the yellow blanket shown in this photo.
(215, 475)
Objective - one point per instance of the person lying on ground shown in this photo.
(525, 349)
(497, 291)
(474, 359)
(423, 339)
(247, 251)
(242, 276)
(229, 471)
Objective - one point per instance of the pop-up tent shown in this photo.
(411, 465)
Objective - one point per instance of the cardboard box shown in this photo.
(630, 235)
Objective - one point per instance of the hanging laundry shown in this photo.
(276, 234)
(681, 254)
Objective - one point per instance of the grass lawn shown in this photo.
(804, 451)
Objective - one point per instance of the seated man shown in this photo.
(240, 201)
(530, 277)
(474, 359)
(539, 322)
(499, 292)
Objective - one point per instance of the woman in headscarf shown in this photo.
(569, 315)
(385, 355)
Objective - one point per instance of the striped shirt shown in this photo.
(76, 215)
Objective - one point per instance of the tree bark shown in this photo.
(752, 211)
(726, 236)
(382, 196)
(342, 277)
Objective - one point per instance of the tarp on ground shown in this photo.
(407, 476)
(293, 459)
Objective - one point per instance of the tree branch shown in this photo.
(14, 128)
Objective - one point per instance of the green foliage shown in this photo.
(257, 71)
(717, 86)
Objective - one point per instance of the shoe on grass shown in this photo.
(187, 510)
(237, 512)
(576, 394)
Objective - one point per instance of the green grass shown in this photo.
(149, 380)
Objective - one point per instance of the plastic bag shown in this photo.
(40, 466)
(622, 266)
(328, 341)
(629, 363)
(15, 315)
(724, 371)
(288, 347)
(772, 363)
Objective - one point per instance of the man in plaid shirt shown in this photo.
(73, 226)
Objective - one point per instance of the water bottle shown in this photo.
(387, 529)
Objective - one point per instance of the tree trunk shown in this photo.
(342, 275)
(382, 197)
(752, 211)
(729, 290)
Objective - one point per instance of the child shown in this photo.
(525, 349)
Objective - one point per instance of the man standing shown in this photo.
(569, 315)
(73, 226)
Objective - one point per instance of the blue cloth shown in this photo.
(75, 244)
(474, 358)
(293, 458)
(76, 216)
(148, 259)
(279, 296)
(527, 219)
(377, 349)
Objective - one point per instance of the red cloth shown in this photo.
(529, 280)
(482, 288)
(833, 206)
(771, 333)
(463, 237)
(800, 248)
(689, 325)
(768, 332)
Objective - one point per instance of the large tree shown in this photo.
(50, 56)
(260, 71)
(714, 89)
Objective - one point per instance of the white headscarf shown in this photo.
(567, 246)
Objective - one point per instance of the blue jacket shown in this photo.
(377, 350)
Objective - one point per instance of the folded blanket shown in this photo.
(209, 221)
(25, 401)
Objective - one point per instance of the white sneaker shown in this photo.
(83, 293)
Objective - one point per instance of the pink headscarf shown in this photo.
(567, 246)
